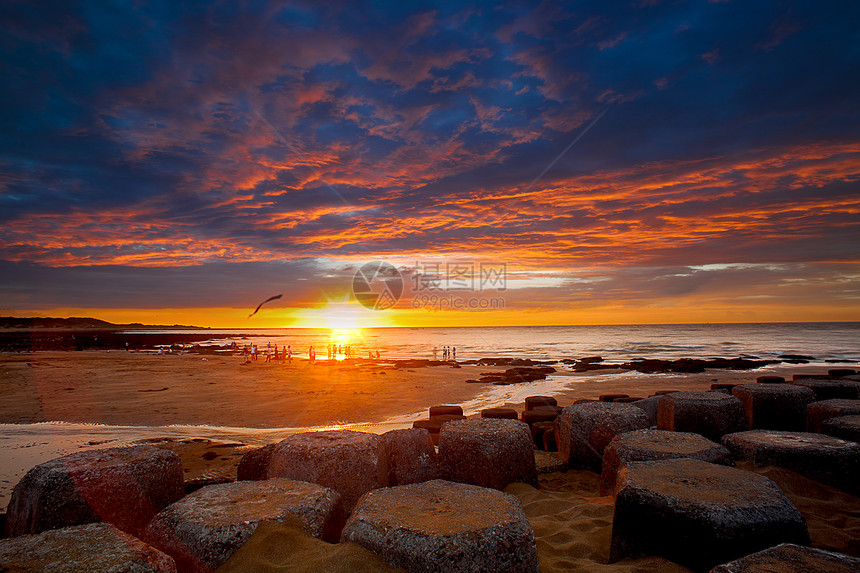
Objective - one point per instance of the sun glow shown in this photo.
(341, 315)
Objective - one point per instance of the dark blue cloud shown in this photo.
(209, 118)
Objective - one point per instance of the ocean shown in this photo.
(820, 340)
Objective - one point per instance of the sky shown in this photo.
(601, 162)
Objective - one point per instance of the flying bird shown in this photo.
(277, 296)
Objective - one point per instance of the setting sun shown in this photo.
(340, 315)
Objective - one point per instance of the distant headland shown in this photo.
(78, 323)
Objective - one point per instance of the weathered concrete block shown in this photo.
(790, 558)
(840, 372)
(538, 429)
(435, 423)
(699, 514)
(824, 458)
(844, 427)
(254, 465)
(202, 530)
(829, 389)
(440, 526)
(651, 445)
(533, 402)
(774, 406)
(770, 380)
(90, 548)
(649, 406)
(819, 412)
(122, 486)
(584, 430)
(446, 410)
(487, 452)
(346, 461)
(611, 397)
(410, 456)
(711, 414)
(504, 413)
(541, 414)
(548, 462)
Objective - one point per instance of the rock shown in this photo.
(649, 406)
(770, 380)
(823, 458)
(790, 558)
(710, 414)
(440, 526)
(254, 465)
(699, 514)
(651, 445)
(510, 362)
(343, 460)
(508, 413)
(446, 410)
(584, 430)
(844, 427)
(611, 397)
(526, 374)
(533, 402)
(202, 530)
(90, 548)
(796, 357)
(688, 365)
(829, 389)
(774, 406)
(488, 452)
(122, 486)
(410, 456)
(818, 412)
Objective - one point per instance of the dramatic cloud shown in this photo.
(661, 148)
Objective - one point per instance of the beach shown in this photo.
(213, 409)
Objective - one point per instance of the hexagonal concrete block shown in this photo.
(824, 458)
(346, 461)
(410, 455)
(711, 414)
(440, 526)
(699, 514)
(90, 548)
(844, 427)
(651, 445)
(125, 487)
(584, 430)
(773, 406)
(790, 558)
(202, 530)
(489, 452)
(819, 412)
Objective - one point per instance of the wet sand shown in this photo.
(212, 411)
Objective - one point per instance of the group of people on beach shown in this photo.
(250, 352)
(272, 353)
(448, 353)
